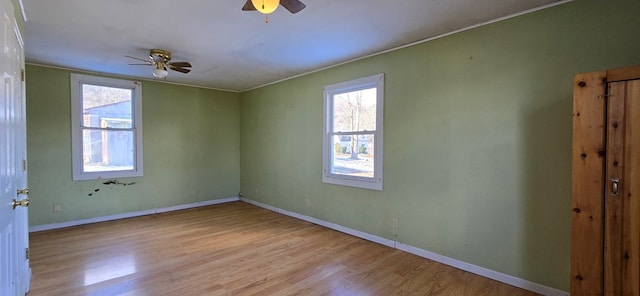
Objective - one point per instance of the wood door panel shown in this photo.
(605, 236)
(589, 115)
(613, 201)
(630, 244)
(623, 74)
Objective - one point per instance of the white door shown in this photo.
(15, 274)
(22, 213)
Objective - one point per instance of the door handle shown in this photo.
(20, 203)
(615, 185)
(23, 202)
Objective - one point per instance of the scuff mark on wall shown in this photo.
(111, 182)
(116, 182)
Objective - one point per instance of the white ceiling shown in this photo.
(236, 50)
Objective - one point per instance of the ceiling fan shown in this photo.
(161, 58)
(268, 6)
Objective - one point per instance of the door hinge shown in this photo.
(22, 75)
(26, 253)
(24, 165)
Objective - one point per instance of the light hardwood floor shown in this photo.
(234, 249)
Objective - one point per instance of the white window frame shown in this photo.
(77, 80)
(375, 183)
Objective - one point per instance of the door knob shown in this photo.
(20, 203)
(24, 191)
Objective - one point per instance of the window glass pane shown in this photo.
(101, 104)
(353, 155)
(107, 150)
(353, 123)
(355, 111)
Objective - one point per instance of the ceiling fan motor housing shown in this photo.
(160, 55)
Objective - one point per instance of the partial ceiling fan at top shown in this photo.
(268, 6)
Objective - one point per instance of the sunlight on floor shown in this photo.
(109, 269)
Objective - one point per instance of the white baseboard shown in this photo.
(130, 214)
(485, 272)
(488, 273)
(360, 234)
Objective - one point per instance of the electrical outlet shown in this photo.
(57, 207)
(394, 223)
(308, 202)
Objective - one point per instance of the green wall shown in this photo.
(191, 141)
(477, 132)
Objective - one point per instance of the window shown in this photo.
(352, 142)
(106, 131)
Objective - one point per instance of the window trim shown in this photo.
(375, 183)
(77, 80)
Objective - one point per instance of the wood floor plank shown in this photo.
(234, 249)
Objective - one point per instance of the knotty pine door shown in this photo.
(605, 239)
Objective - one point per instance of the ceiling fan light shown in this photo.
(266, 6)
(160, 73)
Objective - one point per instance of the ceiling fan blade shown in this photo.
(179, 69)
(141, 64)
(248, 6)
(293, 6)
(139, 59)
(180, 64)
